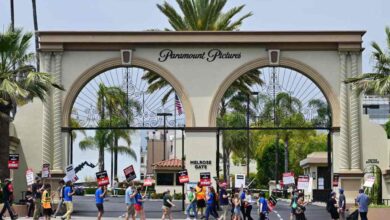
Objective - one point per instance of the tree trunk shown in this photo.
(116, 158)
(35, 19)
(286, 140)
(101, 158)
(277, 158)
(12, 15)
(4, 145)
(224, 164)
(112, 165)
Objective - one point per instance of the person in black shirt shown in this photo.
(7, 197)
(332, 206)
(30, 202)
(37, 195)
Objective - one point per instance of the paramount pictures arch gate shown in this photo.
(200, 66)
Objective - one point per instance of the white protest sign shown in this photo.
(288, 178)
(369, 182)
(303, 182)
(239, 181)
(70, 174)
(29, 177)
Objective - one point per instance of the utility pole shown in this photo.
(165, 135)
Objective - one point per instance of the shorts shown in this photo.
(137, 207)
(47, 212)
(130, 210)
(100, 207)
(201, 203)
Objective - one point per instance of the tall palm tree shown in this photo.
(12, 14)
(19, 84)
(202, 15)
(35, 19)
(378, 82)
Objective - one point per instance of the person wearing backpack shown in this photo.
(293, 203)
(332, 206)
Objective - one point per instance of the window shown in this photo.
(165, 179)
(142, 176)
(142, 160)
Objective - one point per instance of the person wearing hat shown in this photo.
(192, 203)
(332, 206)
(342, 204)
(7, 198)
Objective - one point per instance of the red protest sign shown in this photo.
(183, 176)
(13, 161)
(148, 181)
(102, 178)
(129, 173)
(335, 180)
(205, 179)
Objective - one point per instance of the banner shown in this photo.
(205, 179)
(13, 161)
(70, 174)
(102, 178)
(129, 173)
(288, 178)
(335, 180)
(303, 182)
(148, 181)
(239, 181)
(29, 177)
(46, 170)
(183, 176)
(369, 182)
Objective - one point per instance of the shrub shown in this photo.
(90, 190)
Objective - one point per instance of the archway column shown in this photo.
(57, 112)
(47, 135)
(344, 122)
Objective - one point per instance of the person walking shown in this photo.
(99, 199)
(342, 204)
(210, 210)
(236, 203)
(293, 203)
(363, 201)
(139, 206)
(248, 205)
(60, 191)
(115, 187)
(301, 208)
(200, 199)
(223, 201)
(37, 189)
(192, 204)
(7, 197)
(130, 201)
(263, 207)
(46, 201)
(167, 205)
(29, 202)
(68, 200)
(332, 206)
(243, 202)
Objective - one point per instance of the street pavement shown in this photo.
(84, 208)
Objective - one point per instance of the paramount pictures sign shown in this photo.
(210, 55)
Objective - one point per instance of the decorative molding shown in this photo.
(57, 111)
(112, 63)
(355, 125)
(47, 135)
(344, 103)
(306, 70)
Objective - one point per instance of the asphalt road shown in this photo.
(115, 207)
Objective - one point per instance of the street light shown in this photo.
(247, 134)
(164, 115)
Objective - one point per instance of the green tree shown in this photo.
(378, 82)
(19, 84)
(323, 113)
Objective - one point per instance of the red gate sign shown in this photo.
(183, 176)
(102, 178)
(46, 170)
(288, 178)
(205, 179)
(129, 173)
(148, 181)
(335, 180)
(13, 161)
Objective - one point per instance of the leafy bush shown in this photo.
(90, 190)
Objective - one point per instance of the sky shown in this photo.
(138, 15)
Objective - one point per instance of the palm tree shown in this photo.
(12, 14)
(19, 84)
(378, 82)
(202, 15)
(35, 19)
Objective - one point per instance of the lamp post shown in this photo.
(165, 137)
(248, 131)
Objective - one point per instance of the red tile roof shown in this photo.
(168, 163)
